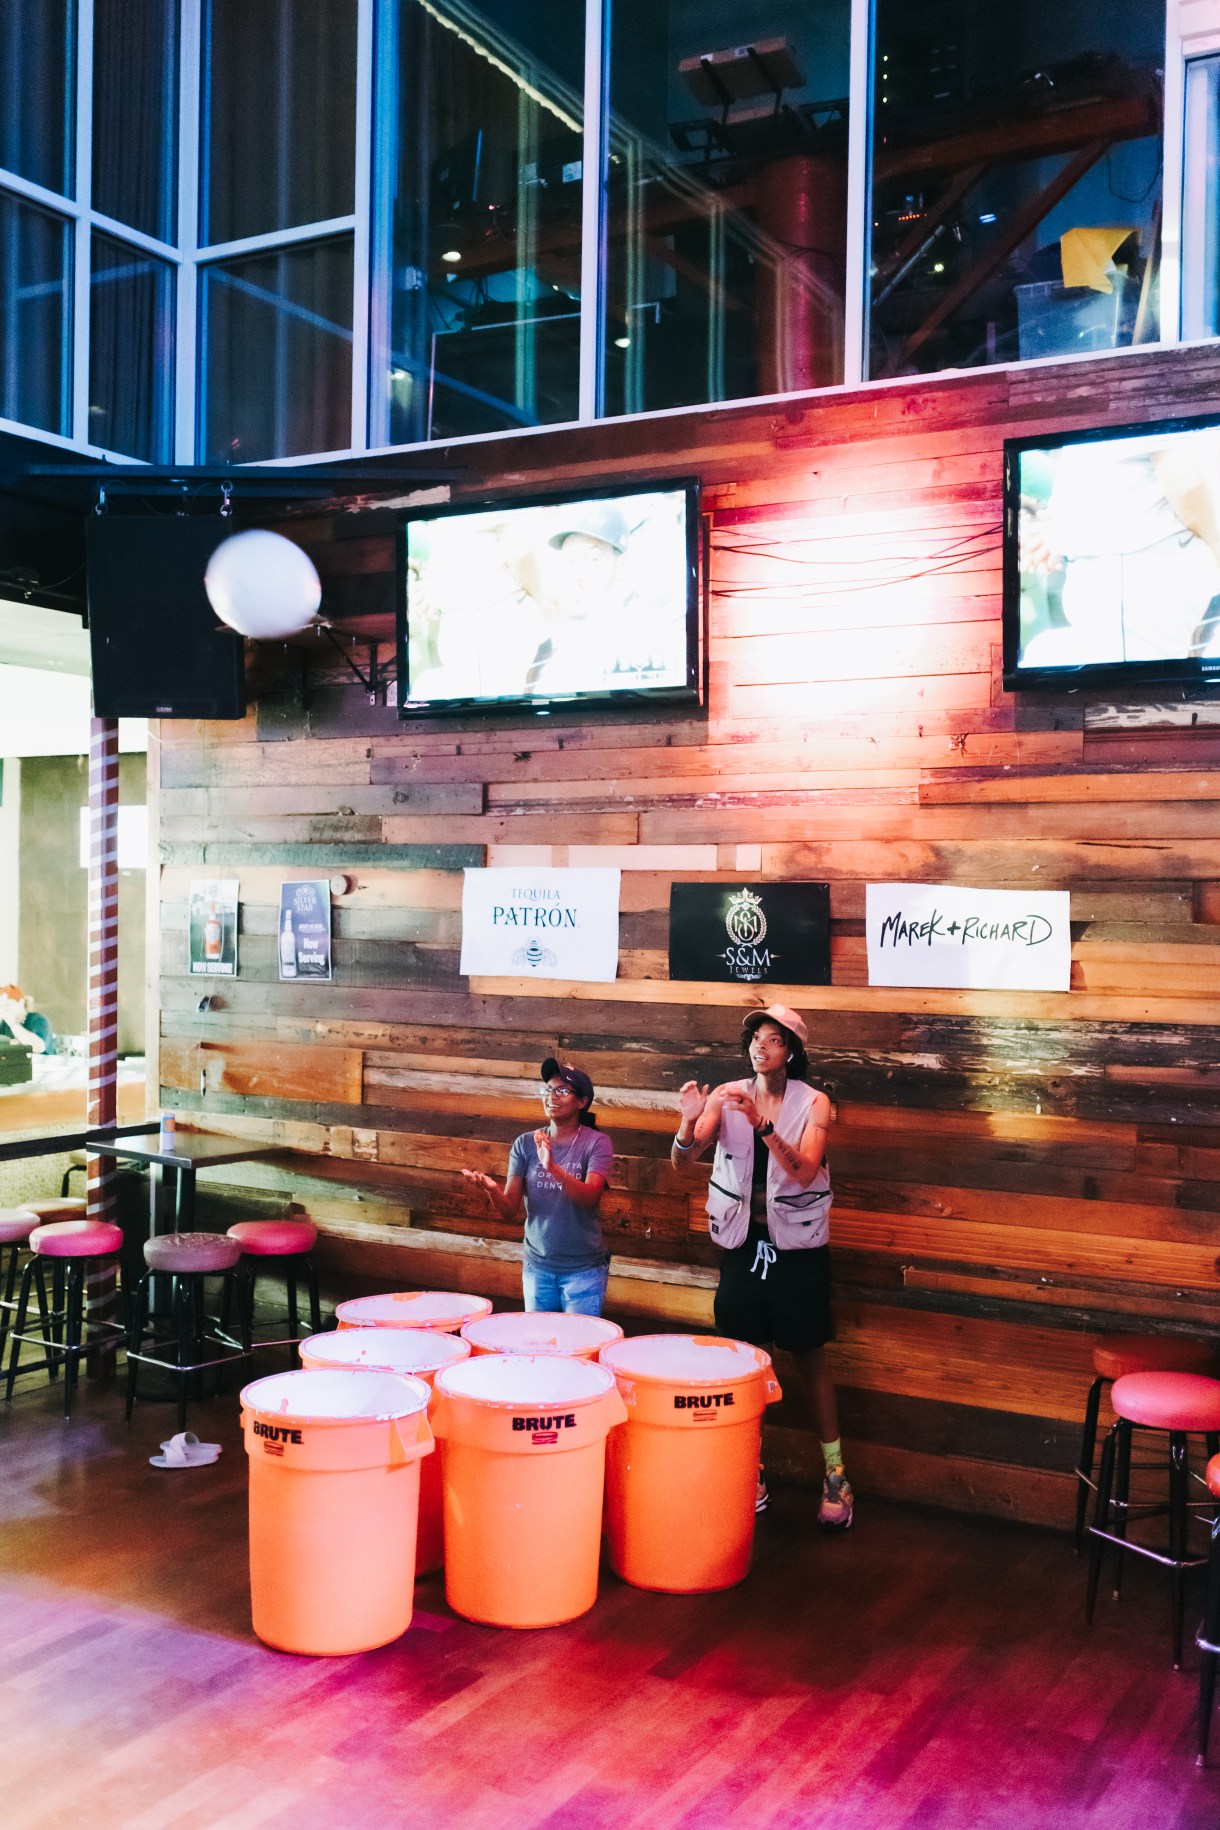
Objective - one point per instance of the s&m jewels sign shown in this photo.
(750, 933)
(540, 923)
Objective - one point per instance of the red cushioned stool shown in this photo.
(50, 1211)
(1208, 1636)
(58, 1207)
(72, 1247)
(187, 1260)
(1114, 1356)
(287, 1244)
(1180, 1404)
(16, 1225)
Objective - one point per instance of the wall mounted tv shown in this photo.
(1112, 557)
(590, 598)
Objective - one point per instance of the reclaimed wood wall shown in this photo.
(1014, 1173)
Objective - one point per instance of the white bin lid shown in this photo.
(336, 1397)
(413, 1309)
(541, 1332)
(685, 1359)
(514, 1380)
(408, 1350)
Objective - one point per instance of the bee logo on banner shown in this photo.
(750, 933)
(960, 939)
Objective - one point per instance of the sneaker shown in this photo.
(835, 1512)
(762, 1499)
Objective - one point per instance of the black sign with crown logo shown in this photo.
(752, 933)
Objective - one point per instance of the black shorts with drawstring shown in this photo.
(772, 1298)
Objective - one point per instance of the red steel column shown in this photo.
(103, 1019)
(802, 206)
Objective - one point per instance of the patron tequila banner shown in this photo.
(546, 924)
(304, 934)
(750, 932)
(944, 935)
(212, 928)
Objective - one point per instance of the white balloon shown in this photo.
(262, 585)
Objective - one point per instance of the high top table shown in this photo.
(192, 1151)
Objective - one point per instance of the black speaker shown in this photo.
(158, 649)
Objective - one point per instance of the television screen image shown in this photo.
(1112, 560)
(577, 598)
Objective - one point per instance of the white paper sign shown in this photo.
(546, 924)
(943, 934)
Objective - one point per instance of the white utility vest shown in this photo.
(796, 1217)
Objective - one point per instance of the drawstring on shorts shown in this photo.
(764, 1251)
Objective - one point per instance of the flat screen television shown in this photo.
(581, 598)
(1112, 557)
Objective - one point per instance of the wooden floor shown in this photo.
(925, 1672)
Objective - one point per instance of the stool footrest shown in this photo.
(176, 1366)
(1145, 1550)
(63, 1347)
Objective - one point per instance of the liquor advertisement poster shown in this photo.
(543, 923)
(303, 947)
(212, 928)
(751, 933)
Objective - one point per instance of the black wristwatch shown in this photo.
(766, 1129)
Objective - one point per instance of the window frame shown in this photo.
(371, 279)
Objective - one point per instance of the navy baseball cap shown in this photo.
(572, 1077)
(599, 520)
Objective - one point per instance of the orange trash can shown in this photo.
(444, 1310)
(681, 1475)
(334, 1495)
(539, 1331)
(418, 1351)
(523, 1461)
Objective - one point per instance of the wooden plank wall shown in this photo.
(1014, 1173)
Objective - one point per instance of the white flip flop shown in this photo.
(185, 1451)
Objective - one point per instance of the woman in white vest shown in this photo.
(769, 1209)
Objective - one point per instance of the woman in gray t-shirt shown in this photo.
(559, 1174)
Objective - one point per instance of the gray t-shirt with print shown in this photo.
(558, 1233)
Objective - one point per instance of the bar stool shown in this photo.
(78, 1164)
(1208, 1637)
(71, 1247)
(58, 1207)
(188, 1259)
(287, 1244)
(1114, 1356)
(1179, 1404)
(16, 1225)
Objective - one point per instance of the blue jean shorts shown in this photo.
(580, 1292)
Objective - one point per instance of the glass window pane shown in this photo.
(482, 224)
(279, 115)
(135, 113)
(726, 194)
(35, 316)
(1201, 201)
(36, 61)
(131, 352)
(276, 351)
(1015, 210)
